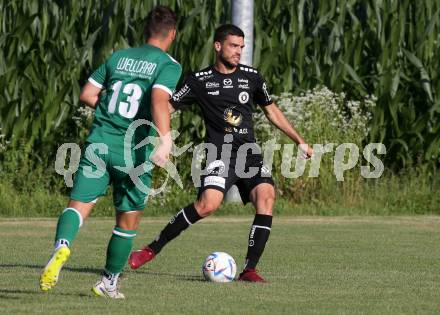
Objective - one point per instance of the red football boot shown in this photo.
(140, 257)
(250, 275)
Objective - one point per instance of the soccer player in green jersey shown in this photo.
(134, 83)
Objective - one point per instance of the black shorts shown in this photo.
(247, 173)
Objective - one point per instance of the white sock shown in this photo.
(60, 243)
(110, 280)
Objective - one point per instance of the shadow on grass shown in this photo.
(125, 275)
(40, 267)
(10, 293)
(176, 276)
(2, 296)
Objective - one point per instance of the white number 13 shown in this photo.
(129, 108)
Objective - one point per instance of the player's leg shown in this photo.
(86, 189)
(208, 202)
(129, 199)
(69, 222)
(118, 250)
(262, 197)
(258, 189)
(211, 193)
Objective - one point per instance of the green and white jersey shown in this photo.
(127, 79)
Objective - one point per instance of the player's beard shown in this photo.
(227, 64)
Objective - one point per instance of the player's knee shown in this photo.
(205, 208)
(265, 204)
(128, 220)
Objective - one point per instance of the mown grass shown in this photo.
(315, 265)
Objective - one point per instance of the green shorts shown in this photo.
(93, 178)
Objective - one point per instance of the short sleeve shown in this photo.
(186, 95)
(261, 94)
(98, 78)
(168, 77)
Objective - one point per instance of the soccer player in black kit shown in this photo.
(226, 93)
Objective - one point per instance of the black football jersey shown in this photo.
(227, 102)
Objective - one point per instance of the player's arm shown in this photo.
(171, 109)
(161, 108)
(161, 118)
(184, 96)
(90, 94)
(276, 116)
(95, 84)
(162, 90)
(279, 120)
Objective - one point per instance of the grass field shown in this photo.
(315, 265)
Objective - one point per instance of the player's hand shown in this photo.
(306, 151)
(162, 154)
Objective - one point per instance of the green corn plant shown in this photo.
(389, 49)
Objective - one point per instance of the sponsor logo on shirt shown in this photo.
(243, 97)
(242, 131)
(240, 80)
(212, 85)
(215, 181)
(230, 117)
(216, 167)
(243, 86)
(205, 77)
(136, 66)
(266, 93)
(181, 93)
(214, 92)
(227, 84)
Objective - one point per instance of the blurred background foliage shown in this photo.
(389, 50)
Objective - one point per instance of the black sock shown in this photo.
(179, 223)
(258, 237)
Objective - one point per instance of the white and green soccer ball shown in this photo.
(219, 267)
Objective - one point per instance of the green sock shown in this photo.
(119, 249)
(68, 225)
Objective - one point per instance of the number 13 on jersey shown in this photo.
(130, 106)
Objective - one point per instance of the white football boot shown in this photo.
(107, 287)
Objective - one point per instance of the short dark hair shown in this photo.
(227, 29)
(159, 22)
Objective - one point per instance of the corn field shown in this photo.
(386, 48)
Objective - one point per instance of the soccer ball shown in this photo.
(219, 267)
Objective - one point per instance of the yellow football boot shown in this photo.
(49, 276)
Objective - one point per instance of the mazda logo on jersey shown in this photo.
(243, 97)
(227, 84)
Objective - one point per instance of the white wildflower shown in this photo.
(321, 113)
